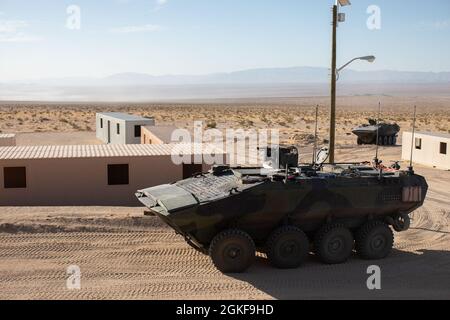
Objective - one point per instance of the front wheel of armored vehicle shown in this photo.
(374, 240)
(232, 251)
(287, 247)
(333, 243)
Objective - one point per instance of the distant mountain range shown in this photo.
(294, 75)
(255, 83)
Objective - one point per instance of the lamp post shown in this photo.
(336, 18)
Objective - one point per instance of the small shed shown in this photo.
(429, 148)
(7, 139)
(120, 128)
(157, 134)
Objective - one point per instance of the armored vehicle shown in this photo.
(286, 211)
(386, 133)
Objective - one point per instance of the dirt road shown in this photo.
(125, 256)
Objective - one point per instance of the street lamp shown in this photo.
(336, 19)
(370, 59)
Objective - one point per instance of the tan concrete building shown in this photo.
(7, 139)
(104, 175)
(430, 149)
(157, 134)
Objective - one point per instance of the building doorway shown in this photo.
(190, 169)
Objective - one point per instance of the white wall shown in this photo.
(130, 137)
(430, 154)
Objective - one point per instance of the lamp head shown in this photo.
(344, 3)
(370, 59)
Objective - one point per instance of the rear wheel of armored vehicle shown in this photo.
(385, 141)
(374, 240)
(232, 251)
(359, 141)
(287, 247)
(390, 143)
(333, 243)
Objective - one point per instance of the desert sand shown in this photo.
(294, 117)
(124, 255)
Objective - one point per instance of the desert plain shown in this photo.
(124, 255)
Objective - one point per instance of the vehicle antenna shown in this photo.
(314, 158)
(410, 168)
(378, 135)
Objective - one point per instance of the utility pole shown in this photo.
(333, 85)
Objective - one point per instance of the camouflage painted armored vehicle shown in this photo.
(229, 213)
(386, 133)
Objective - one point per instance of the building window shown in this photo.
(118, 174)
(101, 123)
(443, 148)
(15, 178)
(118, 128)
(137, 131)
(418, 143)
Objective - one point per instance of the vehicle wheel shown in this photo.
(390, 141)
(401, 222)
(380, 141)
(385, 141)
(394, 141)
(287, 247)
(374, 240)
(232, 251)
(359, 141)
(333, 243)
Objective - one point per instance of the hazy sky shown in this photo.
(205, 36)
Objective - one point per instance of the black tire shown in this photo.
(401, 222)
(385, 141)
(232, 251)
(380, 141)
(394, 141)
(287, 247)
(390, 143)
(333, 243)
(374, 240)
(359, 141)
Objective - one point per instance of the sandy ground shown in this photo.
(123, 255)
(294, 117)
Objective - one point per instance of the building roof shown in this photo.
(7, 135)
(164, 133)
(432, 134)
(104, 151)
(123, 116)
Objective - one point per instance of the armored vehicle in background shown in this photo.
(284, 211)
(386, 133)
